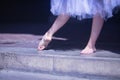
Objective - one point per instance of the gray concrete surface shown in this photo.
(1, 62)
(60, 61)
(18, 52)
(18, 75)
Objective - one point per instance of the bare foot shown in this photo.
(88, 50)
(44, 42)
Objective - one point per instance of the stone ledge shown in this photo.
(100, 63)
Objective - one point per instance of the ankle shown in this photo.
(91, 46)
(48, 34)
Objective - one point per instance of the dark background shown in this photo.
(24, 10)
(34, 17)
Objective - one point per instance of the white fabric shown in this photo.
(84, 8)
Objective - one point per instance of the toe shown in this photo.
(87, 51)
(40, 48)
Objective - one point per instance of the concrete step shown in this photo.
(20, 75)
(101, 63)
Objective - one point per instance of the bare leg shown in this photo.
(59, 22)
(96, 28)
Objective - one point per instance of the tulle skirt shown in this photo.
(84, 8)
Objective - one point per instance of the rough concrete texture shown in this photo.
(60, 61)
(28, 62)
(19, 51)
(1, 62)
(90, 66)
(18, 75)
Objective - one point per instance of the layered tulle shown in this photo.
(84, 8)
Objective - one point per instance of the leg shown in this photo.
(96, 28)
(59, 22)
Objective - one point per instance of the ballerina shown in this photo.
(99, 10)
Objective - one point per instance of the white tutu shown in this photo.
(84, 8)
